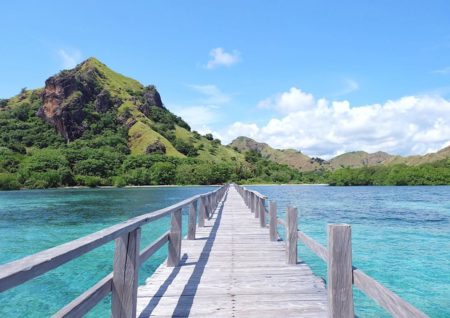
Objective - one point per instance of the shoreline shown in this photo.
(171, 186)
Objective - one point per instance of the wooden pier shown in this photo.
(231, 264)
(232, 269)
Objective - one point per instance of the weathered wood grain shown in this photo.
(86, 301)
(201, 212)
(174, 252)
(387, 299)
(233, 270)
(291, 235)
(314, 246)
(340, 293)
(273, 221)
(125, 275)
(22, 270)
(262, 213)
(192, 222)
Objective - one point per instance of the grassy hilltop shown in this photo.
(92, 126)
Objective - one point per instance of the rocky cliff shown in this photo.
(72, 95)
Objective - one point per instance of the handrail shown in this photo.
(128, 233)
(314, 246)
(386, 298)
(86, 301)
(341, 274)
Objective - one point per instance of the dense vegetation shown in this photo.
(106, 160)
(436, 173)
(121, 134)
(33, 155)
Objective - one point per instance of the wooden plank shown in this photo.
(273, 221)
(192, 223)
(174, 252)
(125, 275)
(340, 293)
(86, 301)
(291, 235)
(384, 297)
(314, 246)
(233, 270)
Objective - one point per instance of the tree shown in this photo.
(163, 173)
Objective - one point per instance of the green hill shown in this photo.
(290, 157)
(92, 126)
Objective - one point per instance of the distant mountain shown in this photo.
(354, 159)
(289, 157)
(357, 159)
(92, 126)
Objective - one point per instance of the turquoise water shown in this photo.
(401, 237)
(33, 220)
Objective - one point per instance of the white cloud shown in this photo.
(211, 94)
(349, 86)
(205, 110)
(290, 101)
(442, 71)
(69, 59)
(199, 117)
(320, 127)
(221, 58)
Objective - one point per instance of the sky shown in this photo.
(322, 77)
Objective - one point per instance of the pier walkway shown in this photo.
(232, 269)
(232, 263)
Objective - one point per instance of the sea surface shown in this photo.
(401, 237)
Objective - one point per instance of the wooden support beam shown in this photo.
(262, 213)
(340, 275)
(256, 205)
(273, 221)
(201, 212)
(173, 257)
(291, 235)
(125, 275)
(192, 224)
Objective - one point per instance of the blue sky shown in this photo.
(323, 77)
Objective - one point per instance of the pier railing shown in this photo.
(342, 275)
(128, 257)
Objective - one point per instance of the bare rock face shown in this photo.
(151, 98)
(156, 147)
(104, 102)
(64, 98)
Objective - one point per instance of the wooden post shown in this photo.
(291, 235)
(174, 253)
(192, 224)
(201, 212)
(262, 213)
(256, 205)
(125, 276)
(340, 273)
(273, 221)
